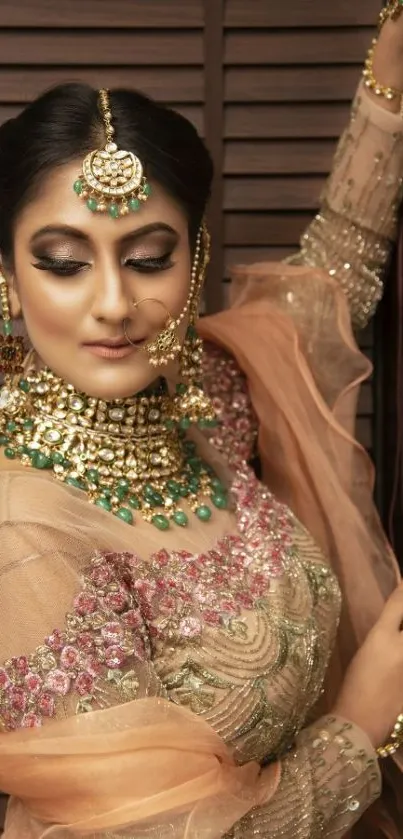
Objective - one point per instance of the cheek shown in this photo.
(171, 288)
(48, 309)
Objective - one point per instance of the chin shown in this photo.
(115, 386)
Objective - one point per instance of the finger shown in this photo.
(392, 614)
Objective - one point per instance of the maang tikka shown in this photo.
(112, 180)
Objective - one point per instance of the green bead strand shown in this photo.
(203, 512)
(180, 518)
(125, 514)
(160, 521)
(104, 503)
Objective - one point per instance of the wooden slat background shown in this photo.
(285, 72)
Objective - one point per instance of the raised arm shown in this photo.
(352, 235)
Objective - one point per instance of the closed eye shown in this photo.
(150, 264)
(60, 267)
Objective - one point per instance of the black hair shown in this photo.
(65, 123)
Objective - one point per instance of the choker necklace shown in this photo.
(128, 455)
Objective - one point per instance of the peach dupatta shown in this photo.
(289, 328)
(145, 765)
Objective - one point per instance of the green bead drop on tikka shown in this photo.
(7, 327)
(78, 187)
(134, 205)
(113, 210)
(92, 204)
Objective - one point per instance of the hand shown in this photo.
(372, 692)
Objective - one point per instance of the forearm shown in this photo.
(327, 782)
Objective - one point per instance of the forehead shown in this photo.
(56, 203)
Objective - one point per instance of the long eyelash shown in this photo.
(151, 263)
(65, 267)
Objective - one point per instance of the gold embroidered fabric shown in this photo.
(234, 622)
(352, 235)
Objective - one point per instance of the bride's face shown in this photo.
(76, 275)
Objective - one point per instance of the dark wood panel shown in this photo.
(246, 256)
(183, 85)
(101, 14)
(273, 193)
(291, 84)
(296, 46)
(363, 431)
(281, 120)
(110, 48)
(301, 13)
(365, 401)
(278, 229)
(278, 157)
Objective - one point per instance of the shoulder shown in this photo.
(227, 386)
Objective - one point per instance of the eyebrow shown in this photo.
(75, 233)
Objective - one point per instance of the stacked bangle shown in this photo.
(396, 740)
(391, 11)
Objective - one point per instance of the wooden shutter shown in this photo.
(155, 46)
(290, 71)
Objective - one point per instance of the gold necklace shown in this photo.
(127, 455)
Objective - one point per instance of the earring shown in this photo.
(165, 346)
(191, 403)
(12, 351)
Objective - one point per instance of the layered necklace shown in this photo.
(130, 456)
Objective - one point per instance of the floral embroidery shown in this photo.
(103, 633)
(235, 436)
(129, 609)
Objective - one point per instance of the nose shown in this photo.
(112, 297)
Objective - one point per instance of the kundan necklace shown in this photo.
(129, 456)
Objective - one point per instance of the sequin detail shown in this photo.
(236, 434)
(351, 237)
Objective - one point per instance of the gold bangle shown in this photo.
(391, 11)
(371, 82)
(396, 740)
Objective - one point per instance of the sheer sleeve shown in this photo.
(327, 781)
(226, 384)
(352, 235)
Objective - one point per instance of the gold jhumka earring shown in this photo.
(12, 349)
(111, 180)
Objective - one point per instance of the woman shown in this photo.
(147, 578)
